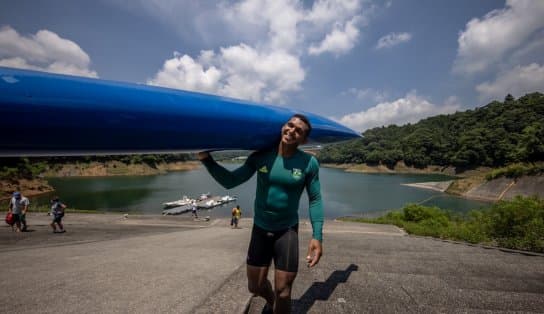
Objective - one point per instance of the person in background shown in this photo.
(283, 172)
(236, 215)
(18, 206)
(57, 212)
(194, 209)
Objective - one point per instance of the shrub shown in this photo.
(516, 224)
(418, 213)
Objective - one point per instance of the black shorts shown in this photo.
(17, 218)
(57, 218)
(282, 246)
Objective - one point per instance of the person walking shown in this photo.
(194, 208)
(18, 206)
(283, 173)
(57, 211)
(236, 215)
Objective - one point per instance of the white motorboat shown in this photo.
(178, 210)
(227, 198)
(182, 202)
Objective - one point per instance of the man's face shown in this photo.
(294, 132)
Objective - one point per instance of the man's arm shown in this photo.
(25, 207)
(228, 179)
(313, 187)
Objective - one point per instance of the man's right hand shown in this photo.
(203, 155)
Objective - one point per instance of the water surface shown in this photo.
(344, 193)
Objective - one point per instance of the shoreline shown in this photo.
(470, 185)
(40, 186)
(400, 168)
(440, 186)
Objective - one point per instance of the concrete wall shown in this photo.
(507, 188)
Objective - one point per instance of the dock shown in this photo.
(204, 202)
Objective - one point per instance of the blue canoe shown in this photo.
(50, 114)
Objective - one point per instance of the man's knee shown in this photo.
(283, 283)
(255, 287)
(283, 292)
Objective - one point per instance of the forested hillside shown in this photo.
(495, 135)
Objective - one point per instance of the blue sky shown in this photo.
(363, 63)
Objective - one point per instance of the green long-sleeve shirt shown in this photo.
(280, 182)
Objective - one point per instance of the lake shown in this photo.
(344, 193)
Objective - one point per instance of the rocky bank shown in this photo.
(32, 187)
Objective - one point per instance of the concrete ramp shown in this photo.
(109, 264)
(380, 273)
(490, 190)
(508, 188)
(526, 186)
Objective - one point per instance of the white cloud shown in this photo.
(368, 94)
(183, 72)
(329, 25)
(517, 82)
(340, 40)
(529, 53)
(237, 71)
(409, 109)
(488, 40)
(275, 20)
(329, 12)
(264, 62)
(44, 51)
(393, 39)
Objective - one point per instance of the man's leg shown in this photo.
(23, 221)
(259, 257)
(17, 222)
(283, 281)
(286, 262)
(258, 283)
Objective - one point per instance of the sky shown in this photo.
(360, 62)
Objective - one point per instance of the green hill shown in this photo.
(498, 134)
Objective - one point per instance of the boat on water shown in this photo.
(177, 210)
(204, 201)
(214, 201)
(183, 201)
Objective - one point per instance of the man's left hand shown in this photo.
(314, 253)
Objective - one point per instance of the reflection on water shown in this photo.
(344, 193)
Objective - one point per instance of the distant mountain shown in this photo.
(495, 135)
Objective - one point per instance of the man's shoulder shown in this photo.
(261, 155)
(307, 157)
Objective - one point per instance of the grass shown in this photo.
(516, 224)
(517, 170)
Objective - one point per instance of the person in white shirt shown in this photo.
(18, 206)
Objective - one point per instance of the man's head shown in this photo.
(17, 195)
(296, 130)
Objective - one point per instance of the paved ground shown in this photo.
(142, 264)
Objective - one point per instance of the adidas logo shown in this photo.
(263, 169)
